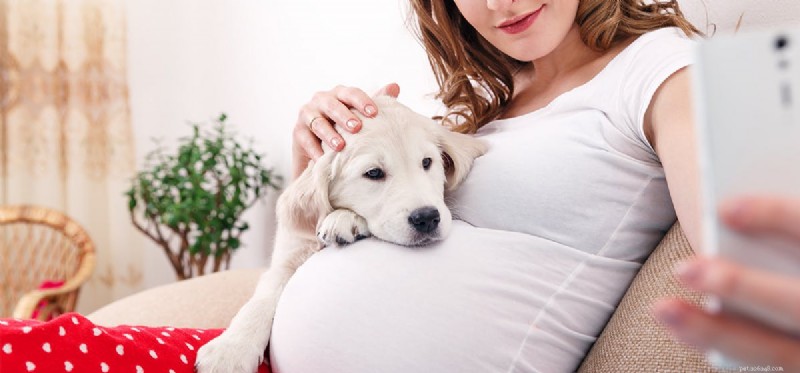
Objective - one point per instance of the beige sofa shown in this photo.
(631, 342)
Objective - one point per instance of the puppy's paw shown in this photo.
(342, 227)
(228, 354)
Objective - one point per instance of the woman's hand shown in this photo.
(315, 122)
(743, 340)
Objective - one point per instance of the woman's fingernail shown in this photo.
(669, 314)
(734, 212)
(370, 110)
(689, 272)
(351, 124)
(335, 142)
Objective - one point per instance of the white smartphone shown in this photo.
(747, 102)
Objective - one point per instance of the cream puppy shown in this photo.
(388, 182)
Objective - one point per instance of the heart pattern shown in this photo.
(73, 344)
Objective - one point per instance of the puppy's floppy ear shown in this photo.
(458, 152)
(306, 199)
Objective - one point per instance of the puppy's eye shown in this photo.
(426, 163)
(375, 174)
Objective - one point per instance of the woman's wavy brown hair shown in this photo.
(476, 79)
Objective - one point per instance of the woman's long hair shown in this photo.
(476, 79)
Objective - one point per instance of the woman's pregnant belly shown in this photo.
(479, 301)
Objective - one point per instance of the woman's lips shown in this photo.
(517, 25)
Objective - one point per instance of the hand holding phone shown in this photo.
(747, 88)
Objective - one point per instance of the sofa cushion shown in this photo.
(176, 304)
(633, 341)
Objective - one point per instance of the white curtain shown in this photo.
(65, 134)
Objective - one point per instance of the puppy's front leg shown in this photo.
(342, 227)
(240, 348)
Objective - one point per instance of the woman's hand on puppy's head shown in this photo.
(316, 120)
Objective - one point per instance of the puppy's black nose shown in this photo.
(425, 219)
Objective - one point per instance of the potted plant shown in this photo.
(191, 202)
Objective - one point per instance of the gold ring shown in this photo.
(311, 123)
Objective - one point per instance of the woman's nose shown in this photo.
(498, 4)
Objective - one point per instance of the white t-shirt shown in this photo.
(554, 222)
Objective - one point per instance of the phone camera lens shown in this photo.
(781, 42)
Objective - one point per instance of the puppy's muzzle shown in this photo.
(425, 219)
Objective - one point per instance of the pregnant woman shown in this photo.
(586, 107)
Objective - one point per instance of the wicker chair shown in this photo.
(38, 245)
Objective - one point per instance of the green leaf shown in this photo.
(131, 203)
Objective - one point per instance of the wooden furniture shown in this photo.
(40, 245)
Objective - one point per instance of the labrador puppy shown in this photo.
(388, 182)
